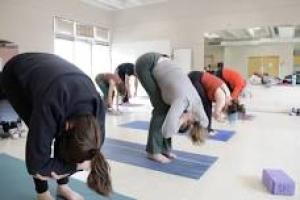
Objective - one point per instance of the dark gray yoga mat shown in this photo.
(16, 184)
(7, 113)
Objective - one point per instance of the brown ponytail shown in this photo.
(198, 134)
(99, 178)
(81, 141)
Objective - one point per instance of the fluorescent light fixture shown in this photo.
(252, 30)
(262, 41)
(120, 4)
(256, 28)
(211, 35)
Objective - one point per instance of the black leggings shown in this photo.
(9, 125)
(42, 186)
(195, 77)
(22, 105)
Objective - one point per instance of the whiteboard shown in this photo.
(183, 58)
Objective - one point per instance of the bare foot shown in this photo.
(66, 192)
(114, 112)
(44, 196)
(212, 132)
(159, 158)
(170, 155)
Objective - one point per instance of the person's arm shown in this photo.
(135, 85)
(226, 90)
(117, 98)
(127, 85)
(237, 91)
(220, 98)
(172, 122)
(42, 130)
(111, 92)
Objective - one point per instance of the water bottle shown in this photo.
(294, 79)
(233, 117)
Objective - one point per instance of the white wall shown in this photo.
(29, 23)
(267, 99)
(129, 52)
(183, 22)
(216, 51)
(237, 56)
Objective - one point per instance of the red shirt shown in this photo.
(235, 81)
(210, 84)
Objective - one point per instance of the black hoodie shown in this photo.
(56, 90)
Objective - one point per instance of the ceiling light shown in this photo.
(211, 35)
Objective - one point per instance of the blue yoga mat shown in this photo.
(132, 104)
(221, 135)
(140, 125)
(189, 165)
(16, 184)
(7, 113)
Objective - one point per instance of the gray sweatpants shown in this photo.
(144, 66)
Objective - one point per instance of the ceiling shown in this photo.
(120, 4)
(255, 34)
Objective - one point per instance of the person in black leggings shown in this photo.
(59, 103)
(211, 89)
(195, 78)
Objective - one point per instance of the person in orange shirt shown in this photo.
(211, 89)
(233, 79)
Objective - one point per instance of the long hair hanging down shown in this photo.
(99, 179)
(198, 134)
(80, 142)
(236, 107)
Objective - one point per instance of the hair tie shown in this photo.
(94, 152)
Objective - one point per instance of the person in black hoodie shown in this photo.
(59, 104)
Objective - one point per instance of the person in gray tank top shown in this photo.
(177, 105)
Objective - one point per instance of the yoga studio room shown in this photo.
(149, 100)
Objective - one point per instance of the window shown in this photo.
(84, 45)
(101, 59)
(64, 48)
(83, 56)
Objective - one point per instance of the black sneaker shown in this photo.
(4, 135)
